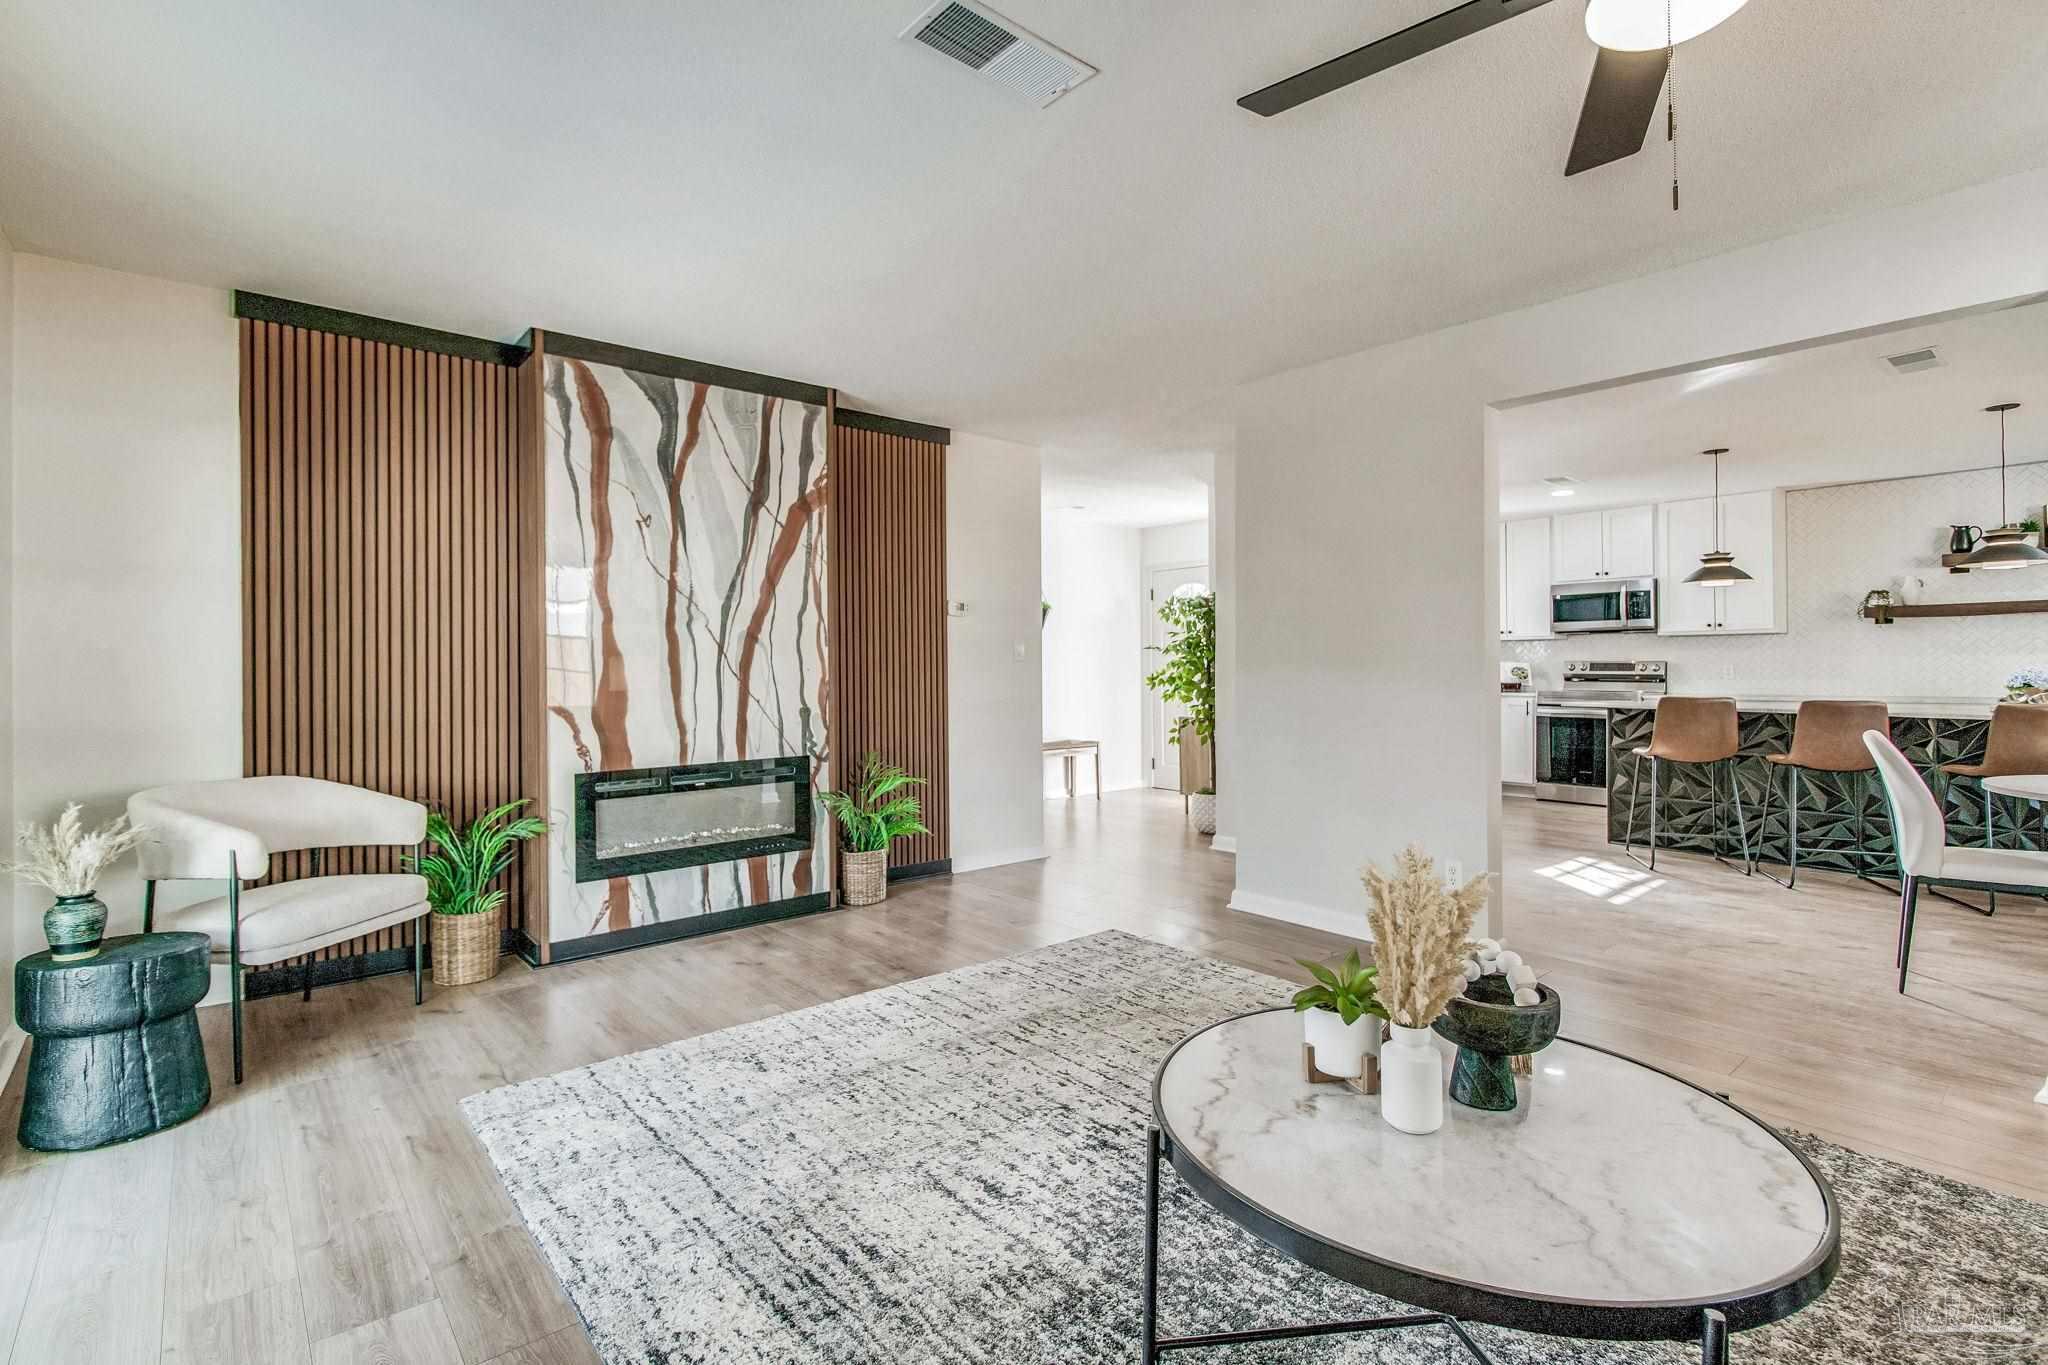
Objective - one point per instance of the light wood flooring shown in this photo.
(335, 1209)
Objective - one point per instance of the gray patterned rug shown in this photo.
(951, 1170)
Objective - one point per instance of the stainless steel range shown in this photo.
(1571, 724)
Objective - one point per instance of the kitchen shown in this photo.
(1827, 498)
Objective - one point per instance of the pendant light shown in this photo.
(2006, 547)
(1717, 567)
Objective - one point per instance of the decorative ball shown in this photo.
(1509, 961)
(1528, 995)
(1473, 971)
(1521, 974)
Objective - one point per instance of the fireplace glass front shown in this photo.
(646, 819)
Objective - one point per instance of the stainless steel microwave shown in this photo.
(1603, 604)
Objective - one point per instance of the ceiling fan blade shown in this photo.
(1620, 99)
(1392, 50)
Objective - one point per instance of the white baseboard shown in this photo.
(11, 1039)
(1224, 843)
(1010, 855)
(1349, 923)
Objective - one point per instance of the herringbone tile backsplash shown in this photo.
(1840, 543)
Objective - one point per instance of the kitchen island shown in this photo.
(1833, 807)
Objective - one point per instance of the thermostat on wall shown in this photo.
(956, 608)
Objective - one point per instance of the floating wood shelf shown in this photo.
(1885, 615)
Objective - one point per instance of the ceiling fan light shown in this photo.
(1717, 570)
(1639, 25)
(2006, 548)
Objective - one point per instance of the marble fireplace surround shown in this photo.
(685, 514)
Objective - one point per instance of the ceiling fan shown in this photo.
(1628, 70)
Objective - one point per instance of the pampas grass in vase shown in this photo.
(1420, 928)
(67, 859)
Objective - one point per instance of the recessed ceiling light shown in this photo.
(1564, 492)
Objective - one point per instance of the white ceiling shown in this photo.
(787, 187)
(1833, 414)
(1126, 488)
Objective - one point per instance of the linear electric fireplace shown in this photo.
(639, 820)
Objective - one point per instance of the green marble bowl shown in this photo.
(1489, 1028)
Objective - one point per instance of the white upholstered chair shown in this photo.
(226, 831)
(1927, 858)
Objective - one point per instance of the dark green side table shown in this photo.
(116, 1052)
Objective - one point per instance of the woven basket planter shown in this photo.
(466, 947)
(864, 877)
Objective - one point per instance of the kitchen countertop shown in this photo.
(1925, 708)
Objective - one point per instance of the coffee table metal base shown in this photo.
(1156, 1345)
(1713, 1323)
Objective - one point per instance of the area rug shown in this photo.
(951, 1170)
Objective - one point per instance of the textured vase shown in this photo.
(466, 947)
(74, 926)
(1202, 810)
(1411, 1081)
(1340, 1048)
(864, 877)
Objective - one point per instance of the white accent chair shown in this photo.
(228, 830)
(1927, 858)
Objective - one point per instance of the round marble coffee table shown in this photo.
(1614, 1202)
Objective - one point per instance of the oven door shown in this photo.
(1571, 754)
(1578, 608)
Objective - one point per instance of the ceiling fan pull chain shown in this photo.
(1671, 101)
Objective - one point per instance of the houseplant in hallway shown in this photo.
(1419, 929)
(1187, 676)
(469, 913)
(68, 860)
(1341, 1015)
(877, 811)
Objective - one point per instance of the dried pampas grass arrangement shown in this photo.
(67, 858)
(1420, 929)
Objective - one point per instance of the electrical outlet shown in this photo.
(1454, 872)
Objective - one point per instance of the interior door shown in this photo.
(1163, 758)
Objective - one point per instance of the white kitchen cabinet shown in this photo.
(1750, 526)
(1631, 538)
(1525, 579)
(1617, 543)
(1518, 737)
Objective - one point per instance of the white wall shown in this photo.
(10, 1036)
(1184, 542)
(1094, 642)
(1223, 574)
(127, 554)
(993, 678)
(1840, 542)
(1364, 531)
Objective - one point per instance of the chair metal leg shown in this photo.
(1741, 821)
(418, 947)
(1635, 786)
(235, 958)
(148, 906)
(1990, 839)
(1653, 812)
(309, 978)
(1908, 903)
(1763, 826)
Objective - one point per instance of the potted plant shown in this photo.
(67, 859)
(1341, 1015)
(2028, 685)
(878, 810)
(469, 913)
(1419, 931)
(1187, 676)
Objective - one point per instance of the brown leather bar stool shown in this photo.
(1827, 737)
(2017, 744)
(1692, 730)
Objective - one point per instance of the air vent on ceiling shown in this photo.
(1560, 480)
(998, 50)
(1906, 362)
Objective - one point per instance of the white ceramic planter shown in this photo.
(1202, 810)
(1340, 1048)
(1412, 1081)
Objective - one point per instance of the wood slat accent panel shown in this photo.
(889, 616)
(381, 515)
